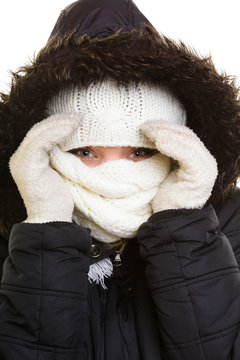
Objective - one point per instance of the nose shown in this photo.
(111, 156)
(111, 153)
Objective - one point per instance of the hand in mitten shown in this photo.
(44, 192)
(190, 184)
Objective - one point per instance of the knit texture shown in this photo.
(112, 114)
(114, 198)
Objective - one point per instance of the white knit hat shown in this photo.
(112, 114)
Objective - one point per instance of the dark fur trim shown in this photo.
(209, 98)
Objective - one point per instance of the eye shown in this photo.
(82, 152)
(142, 152)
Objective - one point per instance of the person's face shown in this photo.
(96, 155)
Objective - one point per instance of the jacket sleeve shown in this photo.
(43, 292)
(194, 280)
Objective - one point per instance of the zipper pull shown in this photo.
(117, 261)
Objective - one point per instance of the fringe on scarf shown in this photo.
(99, 271)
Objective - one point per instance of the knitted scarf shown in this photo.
(114, 198)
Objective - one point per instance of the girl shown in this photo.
(120, 211)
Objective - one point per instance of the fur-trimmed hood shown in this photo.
(97, 39)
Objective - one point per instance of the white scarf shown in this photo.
(114, 198)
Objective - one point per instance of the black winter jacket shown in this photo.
(176, 297)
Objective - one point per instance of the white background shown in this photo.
(210, 26)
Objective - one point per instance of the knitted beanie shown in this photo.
(112, 114)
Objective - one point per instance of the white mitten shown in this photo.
(190, 184)
(44, 192)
